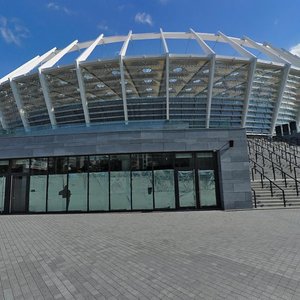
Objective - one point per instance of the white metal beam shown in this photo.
(207, 50)
(18, 100)
(166, 50)
(11, 74)
(35, 64)
(251, 73)
(51, 62)
(283, 81)
(123, 85)
(210, 88)
(266, 51)
(47, 98)
(286, 55)
(90, 49)
(236, 46)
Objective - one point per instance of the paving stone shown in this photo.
(171, 255)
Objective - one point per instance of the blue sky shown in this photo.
(32, 27)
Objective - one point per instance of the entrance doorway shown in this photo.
(19, 194)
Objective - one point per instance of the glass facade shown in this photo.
(117, 182)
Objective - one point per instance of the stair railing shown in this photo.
(271, 186)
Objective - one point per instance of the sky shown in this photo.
(32, 27)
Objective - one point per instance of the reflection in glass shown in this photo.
(120, 190)
(58, 192)
(99, 191)
(18, 193)
(142, 190)
(78, 191)
(207, 188)
(20, 165)
(39, 165)
(164, 194)
(37, 193)
(186, 186)
(99, 163)
(4, 166)
(2, 193)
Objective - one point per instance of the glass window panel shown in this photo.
(20, 165)
(78, 192)
(206, 161)
(37, 193)
(120, 162)
(39, 165)
(184, 161)
(2, 192)
(164, 193)
(58, 165)
(162, 161)
(99, 163)
(57, 192)
(207, 188)
(120, 190)
(141, 161)
(142, 190)
(78, 164)
(186, 186)
(4, 166)
(99, 191)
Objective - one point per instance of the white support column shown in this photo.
(84, 101)
(121, 56)
(241, 50)
(283, 81)
(18, 100)
(2, 121)
(166, 50)
(81, 58)
(266, 51)
(50, 63)
(251, 73)
(47, 98)
(207, 50)
(210, 88)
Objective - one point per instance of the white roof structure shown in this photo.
(205, 89)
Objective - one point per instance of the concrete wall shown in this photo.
(234, 165)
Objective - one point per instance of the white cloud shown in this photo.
(54, 6)
(295, 49)
(143, 18)
(103, 26)
(12, 31)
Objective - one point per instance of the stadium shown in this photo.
(154, 130)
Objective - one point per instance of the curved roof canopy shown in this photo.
(223, 82)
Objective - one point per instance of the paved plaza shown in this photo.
(176, 255)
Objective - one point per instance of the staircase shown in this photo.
(275, 169)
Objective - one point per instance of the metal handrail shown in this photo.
(271, 189)
(275, 166)
(289, 161)
(254, 194)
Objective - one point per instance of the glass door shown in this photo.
(186, 188)
(186, 181)
(19, 194)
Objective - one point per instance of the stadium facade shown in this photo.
(143, 131)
